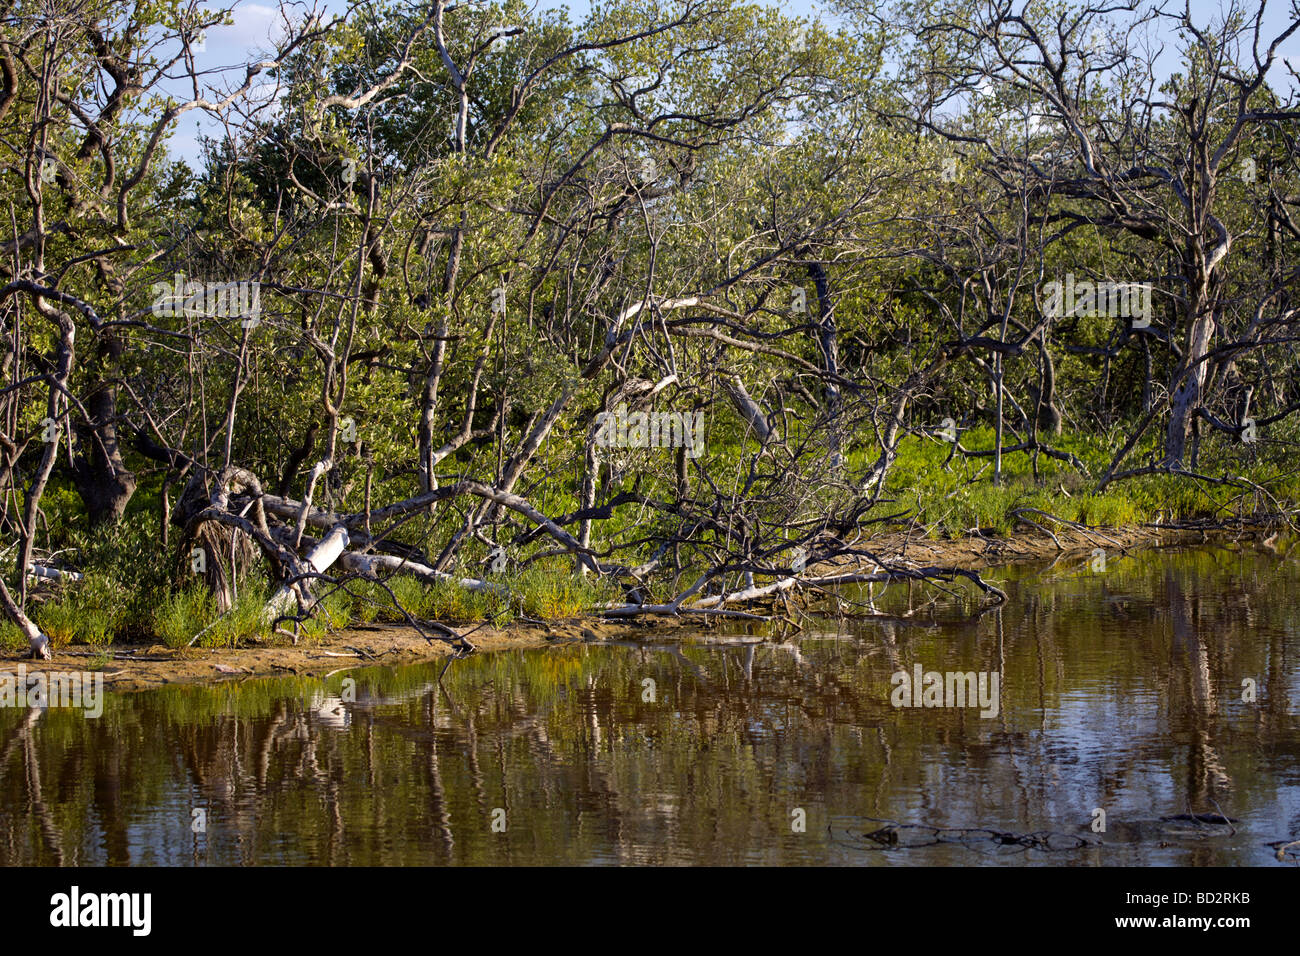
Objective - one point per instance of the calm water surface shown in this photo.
(1120, 691)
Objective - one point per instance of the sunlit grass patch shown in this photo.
(550, 594)
(91, 611)
(410, 594)
(59, 620)
(330, 613)
(243, 622)
(182, 614)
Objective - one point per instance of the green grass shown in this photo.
(410, 594)
(537, 592)
(186, 612)
(365, 609)
(12, 638)
(125, 569)
(59, 620)
(333, 612)
(549, 594)
(957, 497)
(448, 601)
(243, 622)
(182, 614)
(92, 611)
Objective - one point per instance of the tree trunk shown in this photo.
(828, 345)
(100, 474)
(1187, 396)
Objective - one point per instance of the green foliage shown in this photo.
(333, 612)
(187, 611)
(550, 594)
(243, 622)
(126, 570)
(957, 497)
(336, 609)
(182, 613)
(12, 637)
(448, 601)
(59, 620)
(104, 606)
(92, 611)
(743, 164)
(410, 595)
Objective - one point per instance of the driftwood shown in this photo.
(369, 565)
(714, 605)
(51, 574)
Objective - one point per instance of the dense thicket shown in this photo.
(680, 297)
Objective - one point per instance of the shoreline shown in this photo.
(138, 667)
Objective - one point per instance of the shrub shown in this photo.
(549, 594)
(92, 611)
(104, 607)
(367, 600)
(126, 572)
(410, 593)
(330, 613)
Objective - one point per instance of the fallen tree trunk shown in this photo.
(51, 574)
(370, 564)
(716, 604)
(289, 508)
(297, 590)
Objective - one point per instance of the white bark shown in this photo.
(371, 564)
(40, 644)
(53, 574)
(319, 469)
(319, 560)
(749, 409)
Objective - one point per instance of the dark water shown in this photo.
(1120, 691)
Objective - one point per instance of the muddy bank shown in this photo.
(139, 668)
(976, 552)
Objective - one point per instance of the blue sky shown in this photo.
(256, 23)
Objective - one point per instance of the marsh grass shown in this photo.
(243, 621)
(186, 612)
(58, 619)
(536, 592)
(182, 614)
(550, 593)
(957, 497)
(91, 611)
(411, 595)
(331, 612)
(11, 637)
(448, 601)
